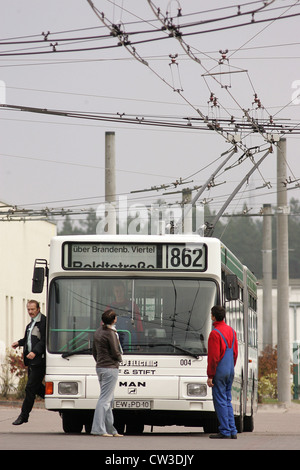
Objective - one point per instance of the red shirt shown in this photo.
(217, 346)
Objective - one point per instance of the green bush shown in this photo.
(267, 387)
(267, 374)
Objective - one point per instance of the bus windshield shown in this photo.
(154, 316)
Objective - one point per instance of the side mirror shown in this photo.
(38, 280)
(231, 287)
(39, 276)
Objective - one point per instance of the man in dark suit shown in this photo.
(34, 345)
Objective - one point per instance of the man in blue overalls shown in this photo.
(222, 355)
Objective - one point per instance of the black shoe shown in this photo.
(219, 436)
(20, 420)
(233, 436)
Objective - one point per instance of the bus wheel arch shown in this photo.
(249, 419)
(73, 422)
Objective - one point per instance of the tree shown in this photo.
(243, 236)
(67, 228)
(89, 225)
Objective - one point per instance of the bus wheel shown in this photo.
(211, 425)
(249, 423)
(239, 420)
(88, 425)
(119, 424)
(134, 428)
(249, 420)
(71, 423)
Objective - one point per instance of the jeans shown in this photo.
(221, 391)
(222, 402)
(103, 421)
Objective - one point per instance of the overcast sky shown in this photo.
(58, 162)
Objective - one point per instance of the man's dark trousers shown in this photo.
(34, 387)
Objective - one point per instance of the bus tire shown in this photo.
(71, 423)
(249, 420)
(239, 420)
(119, 421)
(249, 423)
(88, 425)
(211, 425)
(134, 428)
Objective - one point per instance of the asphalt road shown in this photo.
(275, 429)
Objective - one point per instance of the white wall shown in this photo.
(294, 312)
(20, 244)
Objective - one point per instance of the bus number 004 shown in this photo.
(185, 362)
(186, 257)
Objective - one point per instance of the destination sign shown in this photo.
(134, 256)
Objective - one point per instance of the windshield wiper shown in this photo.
(189, 353)
(73, 353)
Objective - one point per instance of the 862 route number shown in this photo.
(190, 258)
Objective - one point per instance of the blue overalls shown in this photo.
(221, 390)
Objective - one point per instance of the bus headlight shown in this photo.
(196, 390)
(68, 388)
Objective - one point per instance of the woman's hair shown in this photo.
(108, 317)
(218, 312)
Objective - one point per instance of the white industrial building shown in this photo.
(294, 312)
(21, 242)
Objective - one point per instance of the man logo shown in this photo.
(132, 384)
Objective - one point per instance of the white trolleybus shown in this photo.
(162, 289)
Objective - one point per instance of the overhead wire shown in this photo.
(175, 31)
(122, 36)
(55, 48)
(254, 2)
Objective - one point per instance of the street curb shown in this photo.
(18, 404)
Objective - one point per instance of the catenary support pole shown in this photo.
(267, 276)
(283, 330)
(110, 182)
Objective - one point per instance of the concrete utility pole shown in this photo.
(267, 276)
(187, 221)
(283, 344)
(110, 182)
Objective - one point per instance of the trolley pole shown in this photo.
(267, 276)
(283, 363)
(110, 182)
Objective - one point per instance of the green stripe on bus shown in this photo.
(232, 263)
